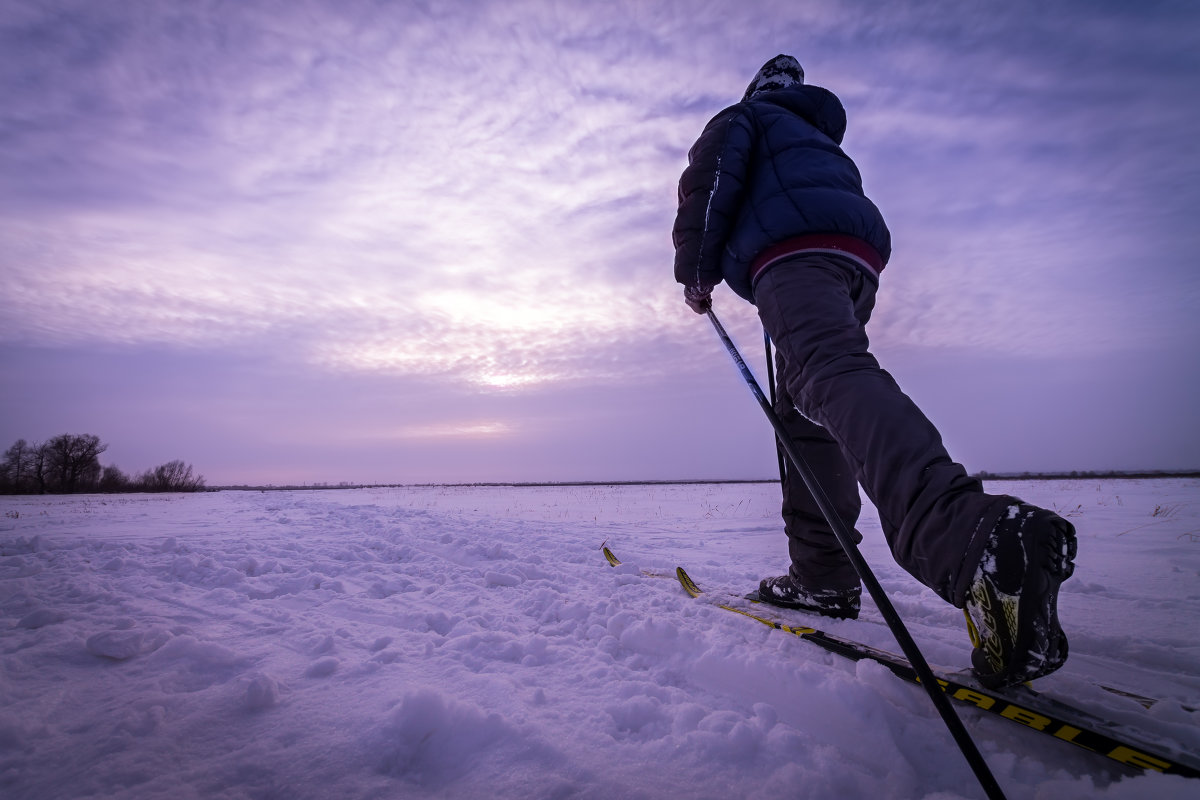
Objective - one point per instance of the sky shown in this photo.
(346, 241)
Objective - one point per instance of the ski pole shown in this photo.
(909, 647)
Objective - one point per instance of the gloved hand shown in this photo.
(698, 298)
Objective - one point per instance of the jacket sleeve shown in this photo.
(710, 195)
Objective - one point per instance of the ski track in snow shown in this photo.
(472, 641)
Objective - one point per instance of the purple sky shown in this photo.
(403, 242)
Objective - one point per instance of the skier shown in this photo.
(771, 204)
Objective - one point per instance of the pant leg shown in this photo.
(818, 561)
(815, 308)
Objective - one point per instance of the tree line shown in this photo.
(70, 463)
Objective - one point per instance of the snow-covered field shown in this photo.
(472, 642)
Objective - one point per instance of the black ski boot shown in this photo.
(1012, 606)
(783, 591)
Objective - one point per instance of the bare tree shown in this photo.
(41, 463)
(112, 479)
(21, 469)
(12, 466)
(174, 476)
(74, 461)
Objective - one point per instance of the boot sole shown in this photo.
(1049, 560)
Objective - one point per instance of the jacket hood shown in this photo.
(817, 106)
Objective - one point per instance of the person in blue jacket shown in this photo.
(771, 205)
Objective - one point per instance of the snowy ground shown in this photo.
(472, 642)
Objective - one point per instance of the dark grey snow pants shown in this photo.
(863, 430)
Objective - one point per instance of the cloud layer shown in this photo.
(474, 200)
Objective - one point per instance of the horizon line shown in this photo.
(982, 475)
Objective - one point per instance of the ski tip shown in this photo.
(609, 557)
(687, 583)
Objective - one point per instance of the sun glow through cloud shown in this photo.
(469, 430)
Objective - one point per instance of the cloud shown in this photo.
(471, 203)
(351, 182)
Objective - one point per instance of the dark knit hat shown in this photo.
(777, 73)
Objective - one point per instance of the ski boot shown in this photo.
(1012, 605)
(784, 592)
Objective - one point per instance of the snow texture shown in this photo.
(473, 642)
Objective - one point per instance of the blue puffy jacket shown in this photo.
(765, 171)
